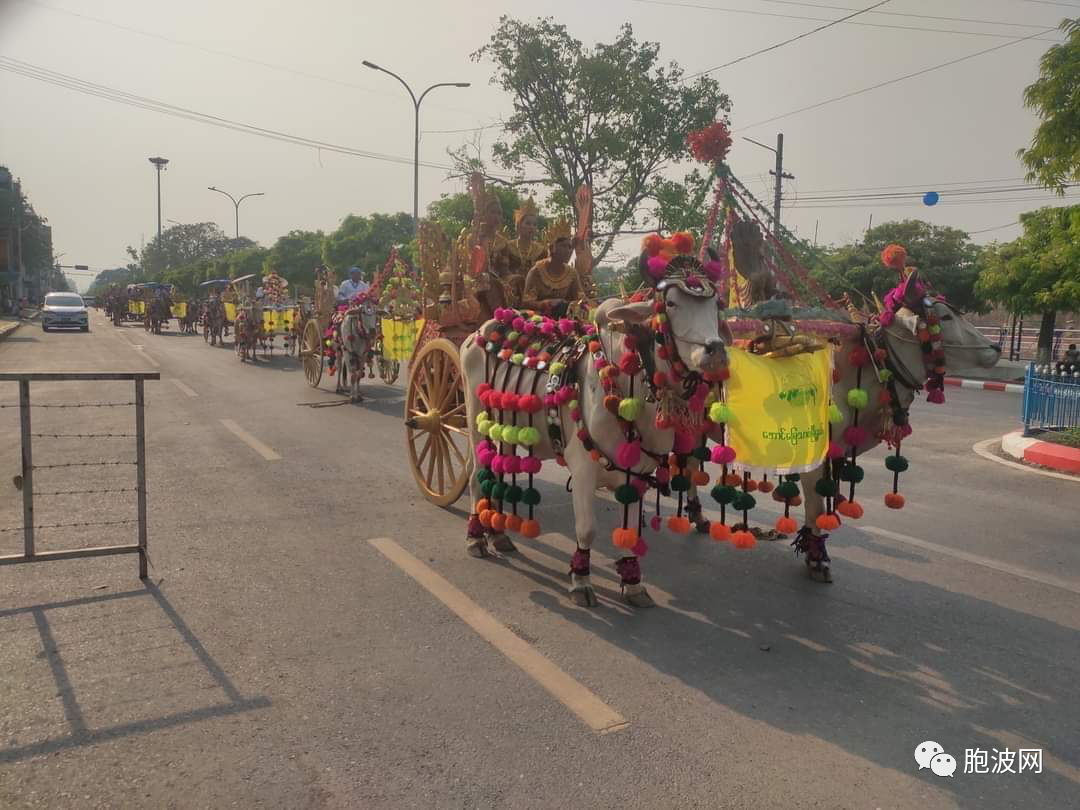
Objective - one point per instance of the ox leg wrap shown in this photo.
(813, 546)
(579, 563)
(694, 513)
(629, 570)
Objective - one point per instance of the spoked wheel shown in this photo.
(312, 352)
(436, 428)
(389, 370)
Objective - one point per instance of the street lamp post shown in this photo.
(236, 203)
(416, 140)
(159, 163)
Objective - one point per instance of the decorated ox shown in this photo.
(213, 320)
(618, 396)
(358, 331)
(249, 331)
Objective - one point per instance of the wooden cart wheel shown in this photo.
(436, 428)
(312, 352)
(389, 370)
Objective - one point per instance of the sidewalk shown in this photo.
(9, 325)
(1047, 454)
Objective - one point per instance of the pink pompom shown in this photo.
(854, 435)
(835, 450)
(641, 548)
(497, 464)
(530, 465)
(551, 401)
(518, 324)
(936, 395)
(629, 364)
(565, 394)
(511, 464)
(663, 475)
(722, 454)
(566, 326)
(714, 269)
(628, 455)
(886, 318)
(482, 389)
(658, 267)
(905, 431)
(685, 442)
(641, 485)
(484, 457)
(548, 327)
(655, 523)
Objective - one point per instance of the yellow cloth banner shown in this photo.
(230, 311)
(399, 338)
(179, 310)
(780, 411)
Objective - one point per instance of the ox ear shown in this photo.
(912, 296)
(907, 319)
(630, 314)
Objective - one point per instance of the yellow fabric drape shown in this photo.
(399, 337)
(780, 411)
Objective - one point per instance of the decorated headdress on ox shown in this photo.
(670, 262)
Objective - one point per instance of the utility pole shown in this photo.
(159, 164)
(779, 174)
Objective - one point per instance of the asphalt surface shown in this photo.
(277, 658)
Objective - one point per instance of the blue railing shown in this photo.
(1051, 400)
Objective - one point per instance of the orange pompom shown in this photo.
(796, 501)
(530, 529)
(828, 522)
(485, 518)
(733, 480)
(719, 531)
(513, 523)
(787, 525)
(594, 346)
(560, 460)
(750, 484)
(594, 454)
(894, 500)
(652, 243)
(611, 404)
(498, 522)
(850, 509)
(683, 242)
(482, 505)
(743, 539)
(765, 486)
(894, 256)
(679, 525)
(700, 478)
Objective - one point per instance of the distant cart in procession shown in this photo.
(399, 294)
(313, 322)
(214, 317)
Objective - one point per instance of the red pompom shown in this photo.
(700, 478)
(750, 485)
(894, 500)
(659, 379)
(530, 529)
(850, 509)
(859, 357)
(828, 522)
(765, 486)
(894, 256)
(683, 242)
(836, 375)
(611, 404)
(630, 364)
(652, 244)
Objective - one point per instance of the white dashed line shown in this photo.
(187, 389)
(263, 450)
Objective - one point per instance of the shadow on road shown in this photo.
(118, 678)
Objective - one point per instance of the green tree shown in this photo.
(184, 244)
(611, 117)
(295, 255)
(945, 256)
(1039, 271)
(683, 206)
(1053, 159)
(365, 242)
(454, 212)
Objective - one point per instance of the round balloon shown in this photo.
(930, 198)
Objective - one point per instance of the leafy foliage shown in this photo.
(611, 117)
(365, 242)
(1053, 159)
(295, 255)
(185, 244)
(454, 212)
(946, 256)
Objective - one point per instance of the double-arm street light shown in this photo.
(416, 141)
(236, 203)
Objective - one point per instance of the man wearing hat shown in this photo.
(352, 286)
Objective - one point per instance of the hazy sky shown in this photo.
(83, 159)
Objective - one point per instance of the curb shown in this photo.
(1046, 454)
(7, 328)
(986, 385)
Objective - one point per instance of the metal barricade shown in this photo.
(1051, 400)
(27, 479)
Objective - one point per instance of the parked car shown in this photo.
(64, 310)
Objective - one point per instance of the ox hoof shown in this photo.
(477, 547)
(819, 573)
(584, 596)
(703, 526)
(502, 543)
(637, 596)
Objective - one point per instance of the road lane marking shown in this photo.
(263, 450)
(592, 711)
(142, 350)
(187, 389)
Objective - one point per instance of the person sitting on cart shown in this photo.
(552, 283)
(351, 287)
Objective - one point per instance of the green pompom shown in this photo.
(626, 494)
(517, 359)
(680, 483)
(513, 494)
(485, 475)
(852, 473)
(557, 368)
(528, 436)
(630, 409)
(723, 495)
(702, 453)
(793, 477)
(498, 492)
(935, 329)
(897, 464)
(835, 417)
(512, 337)
(482, 417)
(484, 427)
(884, 375)
(787, 489)
(719, 413)
(826, 488)
(486, 487)
(858, 398)
(744, 501)
(510, 434)
(495, 432)
(531, 497)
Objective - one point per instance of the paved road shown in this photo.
(279, 658)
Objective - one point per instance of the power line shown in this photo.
(995, 228)
(976, 20)
(931, 185)
(921, 29)
(897, 80)
(36, 73)
(787, 41)
(898, 195)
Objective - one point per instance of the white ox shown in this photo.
(699, 336)
(357, 336)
